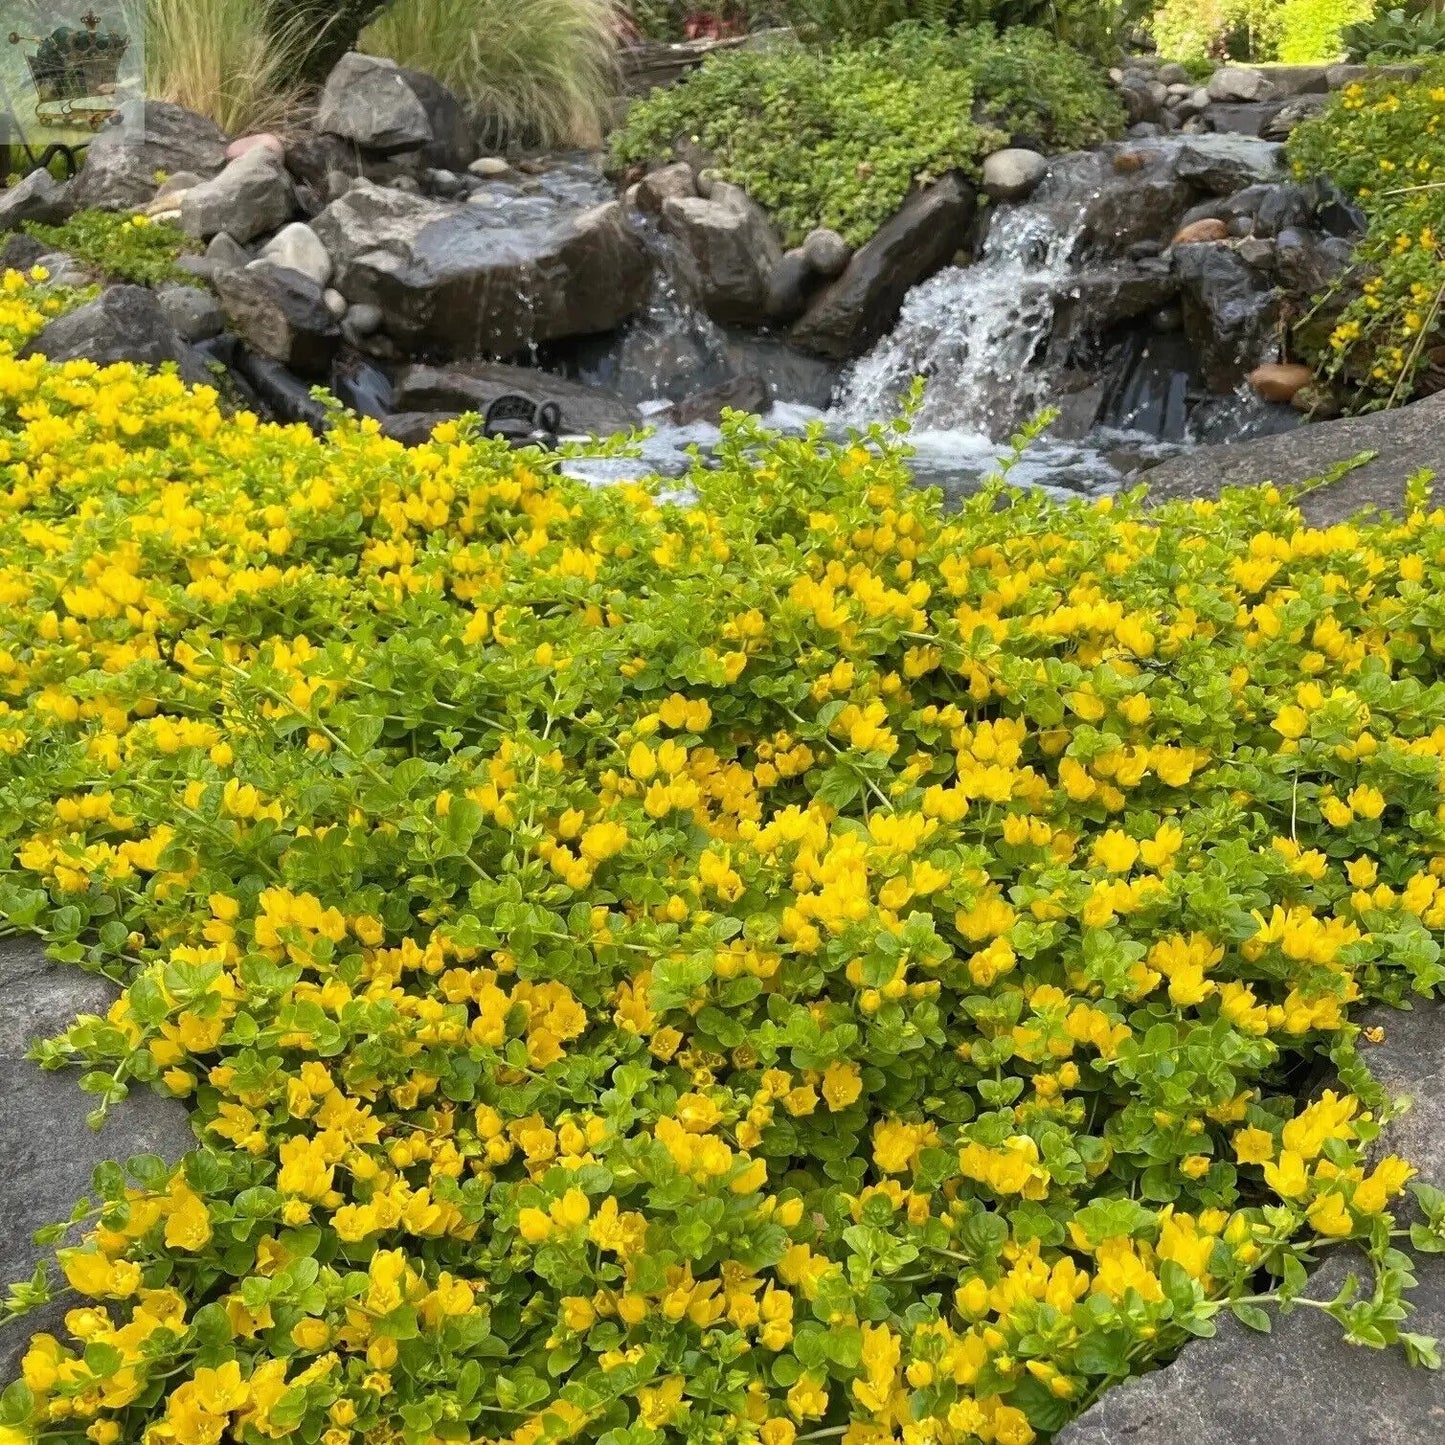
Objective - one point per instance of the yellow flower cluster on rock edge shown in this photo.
(796, 964)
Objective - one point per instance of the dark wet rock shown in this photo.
(415, 428)
(1224, 164)
(48, 1150)
(1141, 104)
(1229, 310)
(791, 376)
(226, 253)
(250, 198)
(193, 312)
(451, 278)
(1142, 205)
(1404, 440)
(37, 197)
(1215, 209)
(474, 386)
(1257, 252)
(282, 394)
(1241, 226)
(453, 145)
(1301, 1381)
(1335, 213)
(1284, 206)
(315, 158)
(1243, 203)
(1291, 81)
(20, 252)
(280, 314)
(123, 323)
(1306, 264)
(1109, 296)
(119, 173)
(790, 283)
(847, 317)
(747, 393)
(728, 252)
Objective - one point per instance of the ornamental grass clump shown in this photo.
(1383, 142)
(793, 964)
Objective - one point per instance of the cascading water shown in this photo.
(976, 334)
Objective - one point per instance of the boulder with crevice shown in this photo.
(122, 324)
(120, 173)
(728, 251)
(451, 279)
(848, 316)
(281, 314)
(251, 197)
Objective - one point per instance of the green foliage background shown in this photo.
(837, 138)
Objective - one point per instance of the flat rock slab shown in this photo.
(47, 1152)
(1404, 441)
(1301, 1382)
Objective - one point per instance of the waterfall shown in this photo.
(978, 333)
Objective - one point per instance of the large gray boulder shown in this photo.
(1301, 1381)
(847, 317)
(123, 323)
(452, 279)
(250, 198)
(119, 174)
(366, 100)
(1232, 84)
(38, 197)
(385, 108)
(474, 386)
(282, 314)
(728, 251)
(47, 1152)
(1403, 441)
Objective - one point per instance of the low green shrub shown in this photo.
(780, 968)
(1398, 34)
(124, 248)
(1383, 142)
(837, 138)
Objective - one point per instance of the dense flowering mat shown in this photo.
(787, 966)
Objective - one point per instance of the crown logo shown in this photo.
(76, 71)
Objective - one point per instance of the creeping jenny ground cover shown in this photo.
(793, 964)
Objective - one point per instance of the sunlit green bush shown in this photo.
(838, 137)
